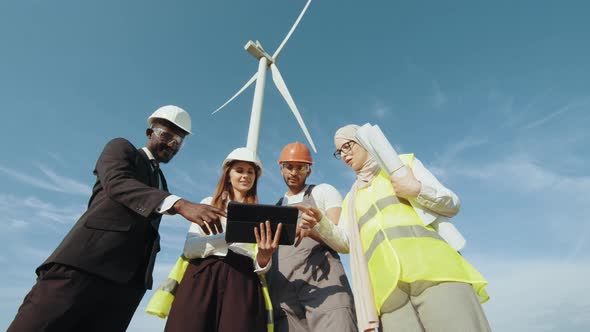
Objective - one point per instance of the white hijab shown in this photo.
(370, 166)
(366, 313)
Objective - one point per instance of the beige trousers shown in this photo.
(433, 307)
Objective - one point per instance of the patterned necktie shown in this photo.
(156, 168)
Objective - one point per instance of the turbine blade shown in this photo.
(278, 51)
(252, 79)
(282, 87)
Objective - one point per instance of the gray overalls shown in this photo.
(309, 288)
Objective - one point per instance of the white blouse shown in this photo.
(200, 245)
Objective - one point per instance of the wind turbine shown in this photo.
(264, 62)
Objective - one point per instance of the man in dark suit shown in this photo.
(99, 273)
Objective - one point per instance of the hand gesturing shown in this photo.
(204, 215)
(310, 217)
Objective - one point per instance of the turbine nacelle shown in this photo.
(257, 51)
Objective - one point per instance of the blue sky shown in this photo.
(493, 97)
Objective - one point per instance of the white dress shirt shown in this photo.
(169, 201)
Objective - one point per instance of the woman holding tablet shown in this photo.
(221, 289)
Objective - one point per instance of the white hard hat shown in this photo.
(174, 114)
(243, 154)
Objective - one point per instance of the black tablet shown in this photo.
(242, 218)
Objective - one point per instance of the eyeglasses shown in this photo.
(346, 148)
(168, 137)
(298, 168)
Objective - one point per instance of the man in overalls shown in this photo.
(308, 285)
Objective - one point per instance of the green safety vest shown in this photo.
(399, 247)
(161, 301)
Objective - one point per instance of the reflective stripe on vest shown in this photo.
(381, 205)
(161, 301)
(266, 295)
(267, 304)
(399, 232)
(169, 285)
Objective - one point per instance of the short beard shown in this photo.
(287, 182)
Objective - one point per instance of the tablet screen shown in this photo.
(242, 218)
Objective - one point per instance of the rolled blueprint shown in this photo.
(449, 233)
(372, 139)
(387, 153)
(380, 149)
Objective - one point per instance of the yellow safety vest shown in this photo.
(161, 301)
(397, 245)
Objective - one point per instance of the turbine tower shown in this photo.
(264, 62)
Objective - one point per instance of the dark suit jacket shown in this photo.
(115, 238)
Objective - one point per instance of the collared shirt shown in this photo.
(169, 201)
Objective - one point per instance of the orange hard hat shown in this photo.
(296, 152)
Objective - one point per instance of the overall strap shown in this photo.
(308, 190)
(306, 194)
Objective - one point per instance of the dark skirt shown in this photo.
(218, 294)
